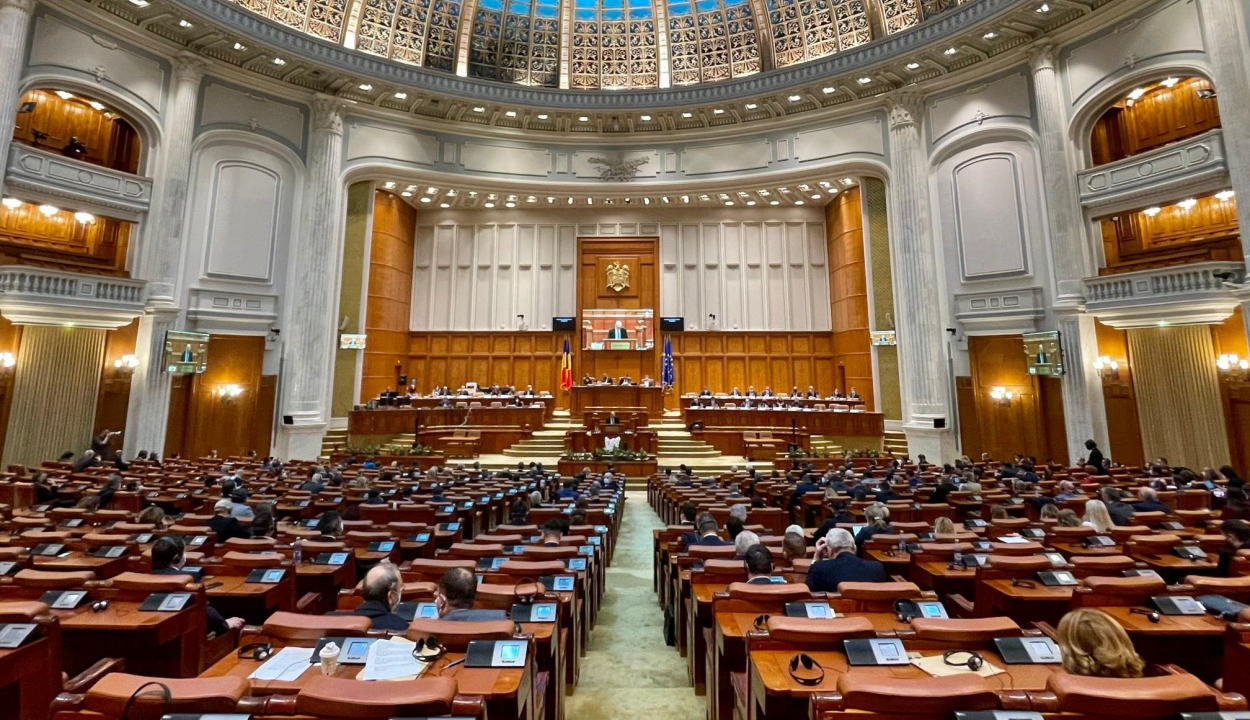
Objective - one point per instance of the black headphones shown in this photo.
(906, 610)
(256, 651)
(809, 665)
(99, 606)
(1151, 615)
(761, 622)
(1017, 582)
(428, 649)
(166, 696)
(973, 662)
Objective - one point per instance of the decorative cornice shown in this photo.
(265, 31)
(25, 6)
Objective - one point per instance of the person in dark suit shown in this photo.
(811, 393)
(837, 563)
(224, 524)
(1150, 502)
(706, 527)
(759, 562)
(606, 380)
(705, 392)
(735, 392)
(457, 591)
(1237, 534)
(168, 557)
(806, 485)
(381, 590)
(618, 331)
(1094, 456)
(612, 419)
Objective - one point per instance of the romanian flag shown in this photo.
(566, 368)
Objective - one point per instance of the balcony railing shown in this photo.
(42, 296)
(1168, 172)
(82, 185)
(1186, 294)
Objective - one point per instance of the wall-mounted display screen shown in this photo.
(351, 341)
(1043, 353)
(618, 329)
(185, 352)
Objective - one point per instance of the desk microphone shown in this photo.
(1151, 615)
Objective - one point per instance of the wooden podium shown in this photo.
(622, 396)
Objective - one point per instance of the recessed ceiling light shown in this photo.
(401, 96)
(829, 90)
(279, 61)
(185, 24)
(64, 95)
(583, 118)
(452, 193)
(509, 204)
(510, 113)
(751, 106)
(646, 201)
(426, 199)
(1224, 195)
(550, 200)
(664, 199)
(798, 202)
(406, 193)
(1137, 94)
(1152, 211)
(48, 210)
(365, 86)
(479, 109)
(1043, 8)
(645, 118)
(531, 199)
(685, 198)
(84, 218)
(97, 105)
(913, 66)
(950, 51)
(815, 196)
(1187, 204)
(543, 116)
(240, 47)
(687, 115)
(990, 35)
(1170, 82)
(729, 203)
(488, 205)
(444, 205)
(139, 3)
(431, 191)
(795, 98)
(865, 80)
(848, 181)
(718, 111)
(389, 185)
(11, 203)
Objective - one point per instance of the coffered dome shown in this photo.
(600, 44)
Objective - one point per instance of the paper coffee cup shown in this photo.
(329, 657)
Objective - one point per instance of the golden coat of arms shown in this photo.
(618, 276)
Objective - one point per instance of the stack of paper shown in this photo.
(285, 665)
(391, 660)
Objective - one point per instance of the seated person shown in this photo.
(837, 394)
(794, 392)
(794, 545)
(733, 528)
(811, 393)
(646, 381)
(553, 531)
(705, 392)
(706, 527)
(1237, 534)
(457, 591)
(168, 557)
(854, 394)
(529, 391)
(1093, 644)
(768, 391)
(735, 392)
(626, 380)
(759, 562)
(224, 524)
(878, 517)
(751, 391)
(382, 588)
(330, 526)
(568, 491)
(588, 380)
(1149, 502)
(837, 563)
(744, 541)
(605, 380)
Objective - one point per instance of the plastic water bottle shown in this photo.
(297, 551)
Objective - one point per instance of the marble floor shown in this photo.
(629, 672)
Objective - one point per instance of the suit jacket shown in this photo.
(227, 527)
(618, 333)
(469, 615)
(761, 581)
(824, 575)
(381, 616)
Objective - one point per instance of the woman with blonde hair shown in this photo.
(1097, 517)
(1050, 511)
(943, 526)
(878, 517)
(1068, 518)
(1094, 644)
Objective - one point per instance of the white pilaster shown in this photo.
(1084, 413)
(14, 28)
(308, 334)
(917, 298)
(1225, 34)
(159, 263)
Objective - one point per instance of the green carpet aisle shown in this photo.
(629, 672)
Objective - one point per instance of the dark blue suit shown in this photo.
(824, 575)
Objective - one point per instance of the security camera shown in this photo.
(1225, 275)
(952, 331)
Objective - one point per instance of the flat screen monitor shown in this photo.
(621, 329)
(186, 353)
(352, 341)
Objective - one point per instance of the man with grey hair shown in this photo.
(837, 563)
(381, 591)
(739, 511)
(1149, 502)
(745, 541)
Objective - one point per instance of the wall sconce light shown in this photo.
(228, 392)
(1229, 364)
(7, 360)
(1107, 368)
(126, 363)
(1001, 395)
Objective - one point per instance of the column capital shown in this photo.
(1043, 55)
(25, 6)
(327, 113)
(188, 67)
(905, 107)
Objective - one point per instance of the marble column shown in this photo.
(309, 329)
(159, 263)
(14, 28)
(917, 297)
(1084, 412)
(1224, 31)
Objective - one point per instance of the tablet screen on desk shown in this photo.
(543, 612)
(931, 610)
(14, 634)
(576, 564)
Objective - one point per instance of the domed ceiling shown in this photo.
(600, 44)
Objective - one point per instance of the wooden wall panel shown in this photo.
(1230, 337)
(201, 420)
(1120, 399)
(389, 301)
(722, 360)
(513, 358)
(27, 235)
(1161, 116)
(114, 397)
(641, 254)
(1206, 232)
(10, 341)
(1004, 429)
(848, 295)
(110, 139)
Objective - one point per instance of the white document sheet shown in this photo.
(285, 665)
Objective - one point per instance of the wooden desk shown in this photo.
(508, 692)
(774, 695)
(30, 675)
(866, 429)
(1194, 642)
(1024, 604)
(160, 644)
(518, 417)
(325, 580)
(688, 401)
(1173, 569)
(383, 421)
(942, 579)
(104, 568)
(608, 396)
(254, 602)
